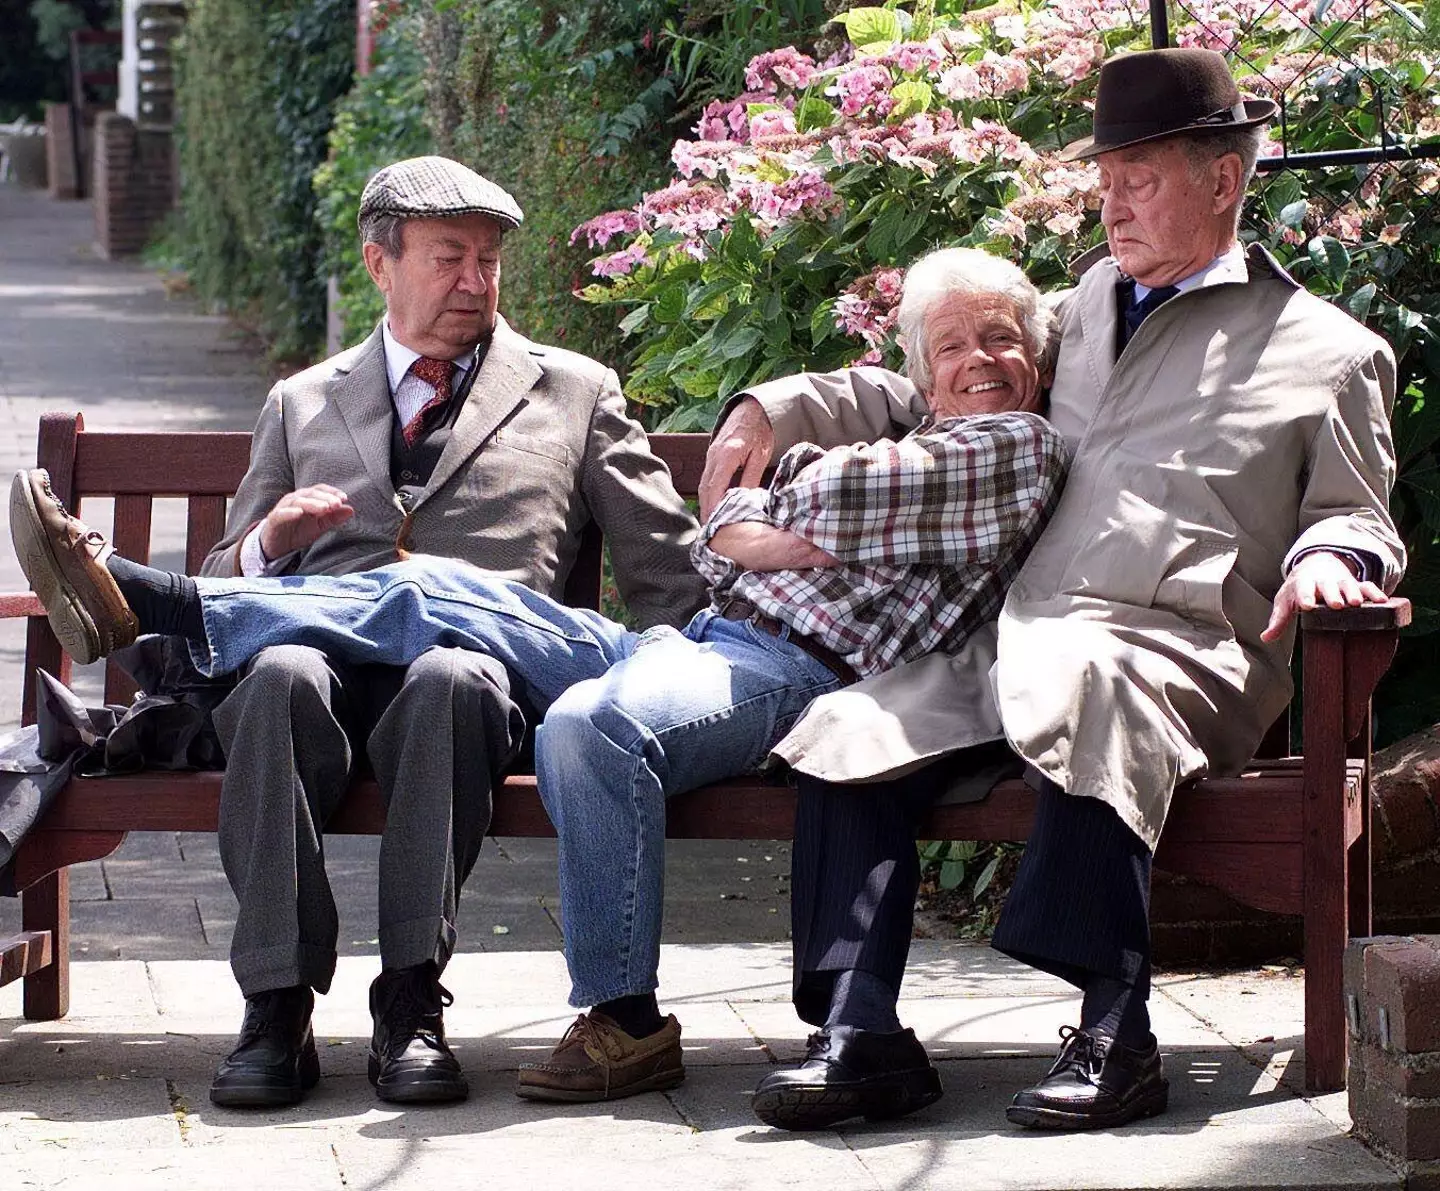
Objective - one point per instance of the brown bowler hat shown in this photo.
(1152, 94)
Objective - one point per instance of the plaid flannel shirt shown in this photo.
(930, 530)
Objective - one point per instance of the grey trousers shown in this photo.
(437, 733)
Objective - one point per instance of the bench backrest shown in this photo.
(205, 468)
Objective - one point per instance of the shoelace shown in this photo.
(597, 1039)
(261, 1013)
(1080, 1053)
(416, 1012)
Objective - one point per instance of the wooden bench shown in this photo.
(1290, 834)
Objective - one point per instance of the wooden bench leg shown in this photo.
(45, 906)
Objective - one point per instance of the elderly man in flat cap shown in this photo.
(1231, 464)
(444, 432)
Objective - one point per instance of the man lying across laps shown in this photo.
(851, 562)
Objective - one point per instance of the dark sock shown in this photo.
(163, 602)
(1112, 1008)
(638, 1015)
(863, 1001)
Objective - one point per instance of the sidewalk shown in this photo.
(116, 1094)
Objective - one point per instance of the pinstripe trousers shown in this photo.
(1079, 907)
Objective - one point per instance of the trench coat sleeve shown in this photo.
(646, 525)
(1350, 470)
(269, 477)
(833, 409)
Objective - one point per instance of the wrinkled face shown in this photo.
(441, 292)
(1164, 219)
(980, 359)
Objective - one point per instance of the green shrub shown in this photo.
(256, 87)
(381, 120)
(781, 244)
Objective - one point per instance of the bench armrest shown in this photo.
(1368, 618)
(14, 604)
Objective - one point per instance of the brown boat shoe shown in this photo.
(597, 1060)
(64, 563)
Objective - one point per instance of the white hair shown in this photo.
(949, 271)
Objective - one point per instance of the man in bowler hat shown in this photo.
(1231, 464)
(445, 432)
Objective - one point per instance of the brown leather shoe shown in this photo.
(597, 1060)
(64, 563)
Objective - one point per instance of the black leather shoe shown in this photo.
(849, 1073)
(274, 1063)
(410, 1062)
(1096, 1083)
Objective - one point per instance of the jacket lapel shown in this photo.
(361, 392)
(508, 373)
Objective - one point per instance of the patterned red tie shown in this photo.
(437, 374)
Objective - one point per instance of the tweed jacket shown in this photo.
(541, 446)
(1244, 422)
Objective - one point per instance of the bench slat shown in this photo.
(209, 463)
(24, 953)
(1260, 806)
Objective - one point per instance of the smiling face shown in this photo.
(979, 357)
(1166, 217)
(442, 290)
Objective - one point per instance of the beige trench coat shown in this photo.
(1243, 423)
(540, 447)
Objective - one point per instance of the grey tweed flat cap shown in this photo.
(436, 188)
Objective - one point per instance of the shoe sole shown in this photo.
(1034, 1117)
(269, 1093)
(412, 1088)
(799, 1108)
(74, 627)
(660, 1082)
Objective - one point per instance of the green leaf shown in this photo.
(743, 244)
(813, 112)
(872, 30)
(1293, 214)
(987, 874)
(910, 97)
(636, 319)
(952, 873)
(822, 326)
(1330, 257)
(1358, 303)
(739, 343)
(669, 305)
(931, 850)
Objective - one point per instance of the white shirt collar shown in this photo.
(1228, 266)
(398, 358)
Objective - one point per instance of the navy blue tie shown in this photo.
(1136, 311)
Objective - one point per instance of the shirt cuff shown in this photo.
(252, 557)
(1365, 566)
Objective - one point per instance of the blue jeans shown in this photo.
(682, 710)
(630, 718)
(393, 614)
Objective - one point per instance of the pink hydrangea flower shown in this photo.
(863, 86)
(773, 122)
(785, 67)
(701, 157)
(603, 228)
(689, 209)
(960, 82)
(618, 264)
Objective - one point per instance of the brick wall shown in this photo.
(1392, 996)
(134, 184)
